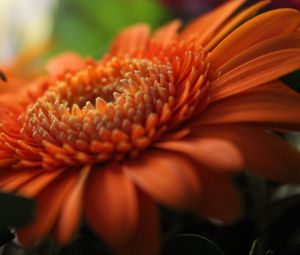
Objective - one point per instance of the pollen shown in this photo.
(106, 111)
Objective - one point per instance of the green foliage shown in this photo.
(15, 211)
(88, 26)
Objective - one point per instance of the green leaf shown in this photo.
(88, 26)
(188, 244)
(14, 210)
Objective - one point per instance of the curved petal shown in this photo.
(167, 177)
(11, 180)
(258, 29)
(71, 212)
(264, 155)
(235, 22)
(221, 198)
(131, 40)
(32, 187)
(276, 86)
(275, 110)
(111, 206)
(271, 45)
(207, 24)
(167, 32)
(7, 162)
(215, 153)
(29, 55)
(65, 62)
(256, 72)
(146, 239)
(49, 204)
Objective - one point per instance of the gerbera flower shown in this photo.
(163, 118)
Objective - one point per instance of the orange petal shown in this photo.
(167, 32)
(11, 180)
(235, 22)
(207, 24)
(146, 239)
(256, 72)
(258, 29)
(70, 215)
(28, 56)
(65, 62)
(221, 198)
(32, 187)
(276, 86)
(7, 162)
(271, 45)
(264, 154)
(49, 203)
(167, 177)
(217, 154)
(111, 205)
(131, 39)
(274, 110)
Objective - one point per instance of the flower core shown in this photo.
(112, 109)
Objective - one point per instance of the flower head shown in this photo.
(164, 118)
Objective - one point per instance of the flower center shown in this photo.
(107, 111)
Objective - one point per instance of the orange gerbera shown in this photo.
(164, 118)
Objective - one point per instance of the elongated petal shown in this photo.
(258, 29)
(207, 24)
(111, 205)
(256, 72)
(167, 32)
(271, 45)
(221, 198)
(7, 162)
(217, 154)
(71, 212)
(276, 86)
(235, 22)
(65, 62)
(274, 110)
(146, 239)
(49, 203)
(11, 180)
(264, 154)
(167, 177)
(131, 39)
(31, 54)
(32, 187)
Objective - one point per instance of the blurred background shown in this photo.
(88, 26)
(85, 26)
(23, 24)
